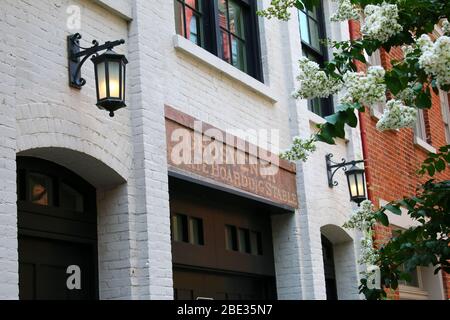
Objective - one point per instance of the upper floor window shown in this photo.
(187, 229)
(445, 107)
(243, 240)
(420, 130)
(189, 20)
(312, 31)
(226, 28)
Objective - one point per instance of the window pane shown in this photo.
(225, 46)
(236, 20)
(244, 241)
(239, 55)
(180, 228)
(179, 18)
(193, 20)
(313, 13)
(196, 231)
(315, 106)
(231, 238)
(414, 282)
(193, 4)
(303, 27)
(223, 16)
(256, 243)
(420, 126)
(315, 36)
(39, 189)
(193, 26)
(70, 198)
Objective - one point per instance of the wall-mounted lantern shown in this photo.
(109, 67)
(355, 177)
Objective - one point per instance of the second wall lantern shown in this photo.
(355, 177)
(109, 68)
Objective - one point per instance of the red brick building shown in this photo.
(393, 158)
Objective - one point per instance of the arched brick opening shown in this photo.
(345, 261)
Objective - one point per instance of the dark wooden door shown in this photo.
(329, 268)
(57, 230)
(43, 269)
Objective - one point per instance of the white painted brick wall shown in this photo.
(134, 225)
(8, 210)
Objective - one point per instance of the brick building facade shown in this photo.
(153, 227)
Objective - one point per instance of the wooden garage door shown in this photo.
(57, 232)
(192, 284)
(221, 245)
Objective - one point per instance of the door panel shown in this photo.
(57, 225)
(43, 265)
(191, 284)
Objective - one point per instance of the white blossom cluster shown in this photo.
(397, 116)
(345, 11)
(446, 27)
(300, 149)
(369, 255)
(381, 22)
(313, 82)
(363, 220)
(435, 58)
(407, 95)
(366, 89)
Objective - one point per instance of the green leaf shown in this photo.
(334, 118)
(440, 165)
(392, 83)
(431, 170)
(352, 119)
(423, 100)
(394, 209)
(382, 218)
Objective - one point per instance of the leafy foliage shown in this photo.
(426, 244)
(416, 16)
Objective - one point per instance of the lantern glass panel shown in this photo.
(360, 181)
(123, 81)
(101, 80)
(114, 79)
(352, 185)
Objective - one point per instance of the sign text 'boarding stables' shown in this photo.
(203, 150)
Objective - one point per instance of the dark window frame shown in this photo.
(212, 32)
(187, 237)
(319, 56)
(245, 247)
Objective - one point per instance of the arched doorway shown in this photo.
(329, 269)
(340, 263)
(57, 225)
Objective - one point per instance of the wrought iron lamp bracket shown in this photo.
(333, 167)
(78, 56)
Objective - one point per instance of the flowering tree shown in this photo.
(424, 68)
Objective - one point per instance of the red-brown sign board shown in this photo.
(197, 148)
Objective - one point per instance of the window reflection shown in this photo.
(39, 188)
